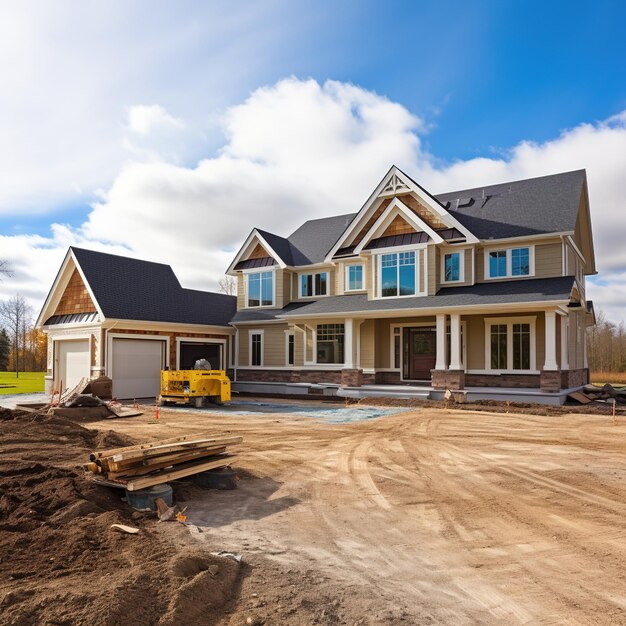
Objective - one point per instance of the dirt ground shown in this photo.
(427, 516)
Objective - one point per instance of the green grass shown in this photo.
(28, 382)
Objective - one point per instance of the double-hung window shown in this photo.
(261, 289)
(354, 277)
(510, 344)
(256, 348)
(314, 285)
(397, 274)
(509, 262)
(453, 267)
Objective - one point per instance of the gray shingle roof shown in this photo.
(265, 315)
(509, 292)
(132, 289)
(548, 204)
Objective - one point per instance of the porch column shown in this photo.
(550, 321)
(564, 342)
(455, 342)
(348, 344)
(440, 363)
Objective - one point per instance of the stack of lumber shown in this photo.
(149, 464)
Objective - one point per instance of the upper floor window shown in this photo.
(453, 267)
(397, 274)
(354, 277)
(508, 262)
(260, 289)
(314, 285)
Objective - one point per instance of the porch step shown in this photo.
(401, 393)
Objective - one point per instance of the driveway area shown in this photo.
(425, 516)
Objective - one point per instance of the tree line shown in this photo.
(606, 345)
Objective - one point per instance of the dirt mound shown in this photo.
(60, 560)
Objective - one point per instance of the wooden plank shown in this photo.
(184, 445)
(146, 469)
(580, 397)
(181, 472)
(155, 460)
(144, 446)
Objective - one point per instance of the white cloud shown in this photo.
(299, 150)
(144, 119)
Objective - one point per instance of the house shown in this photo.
(479, 289)
(129, 319)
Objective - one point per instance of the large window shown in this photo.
(508, 262)
(256, 348)
(510, 344)
(314, 285)
(261, 289)
(397, 274)
(354, 277)
(330, 343)
(452, 267)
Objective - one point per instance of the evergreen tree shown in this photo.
(5, 348)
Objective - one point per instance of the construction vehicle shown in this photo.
(196, 387)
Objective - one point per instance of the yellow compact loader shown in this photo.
(195, 387)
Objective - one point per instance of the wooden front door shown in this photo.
(420, 353)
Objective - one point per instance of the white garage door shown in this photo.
(137, 365)
(73, 362)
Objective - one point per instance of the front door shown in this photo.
(420, 353)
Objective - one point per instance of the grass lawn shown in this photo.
(28, 382)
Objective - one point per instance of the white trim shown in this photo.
(509, 262)
(576, 250)
(499, 372)
(246, 245)
(394, 209)
(245, 288)
(314, 295)
(550, 341)
(564, 342)
(461, 254)
(108, 365)
(174, 327)
(346, 278)
(515, 241)
(440, 329)
(259, 332)
(221, 342)
(420, 290)
(374, 201)
(509, 321)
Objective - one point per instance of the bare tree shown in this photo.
(5, 269)
(227, 285)
(16, 314)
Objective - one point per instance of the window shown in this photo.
(508, 262)
(510, 344)
(256, 348)
(314, 285)
(497, 263)
(520, 264)
(261, 289)
(499, 347)
(397, 352)
(397, 274)
(452, 267)
(330, 343)
(354, 277)
(291, 348)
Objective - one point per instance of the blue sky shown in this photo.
(116, 115)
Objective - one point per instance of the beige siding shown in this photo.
(286, 287)
(432, 269)
(274, 345)
(244, 354)
(241, 292)
(548, 260)
(479, 265)
(469, 259)
(370, 276)
(279, 277)
(421, 275)
(299, 347)
(368, 348)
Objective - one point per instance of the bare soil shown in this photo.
(427, 516)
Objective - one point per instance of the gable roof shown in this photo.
(533, 206)
(133, 289)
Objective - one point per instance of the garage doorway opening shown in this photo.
(191, 351)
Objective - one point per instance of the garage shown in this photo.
(73, 362)
(136, 366)
(192, 351)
